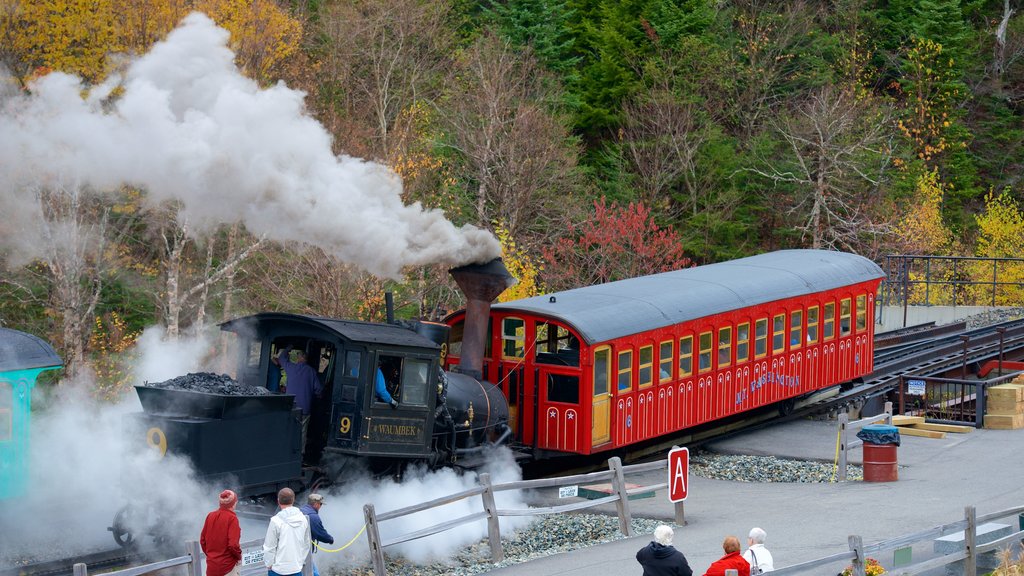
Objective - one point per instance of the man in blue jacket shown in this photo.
(316, 527)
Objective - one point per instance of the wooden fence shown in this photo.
(615, 475)
(193, 561)
(856, 555)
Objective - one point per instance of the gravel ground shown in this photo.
(211, 384)
(993, 317)
(565, 532)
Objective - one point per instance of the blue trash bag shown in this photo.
(880, 434)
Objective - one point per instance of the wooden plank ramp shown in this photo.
(954, 428)
(911, 431)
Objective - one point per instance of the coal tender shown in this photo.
(244, 432)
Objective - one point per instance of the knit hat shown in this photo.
(227, 499)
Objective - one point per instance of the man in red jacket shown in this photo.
(732, 560)
(220, 536)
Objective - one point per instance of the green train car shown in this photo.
(22, 358)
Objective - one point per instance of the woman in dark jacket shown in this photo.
(660, 558)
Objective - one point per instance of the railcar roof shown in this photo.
(616, 309)
(21, 351)
(362, 332)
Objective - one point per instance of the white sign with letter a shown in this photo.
(678, 474)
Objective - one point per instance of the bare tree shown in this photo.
(517, 153)
(839, 148)
(384, 55)
(76, 231)
(176, 242)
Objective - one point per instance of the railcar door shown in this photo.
(560, 426)
(600, 432)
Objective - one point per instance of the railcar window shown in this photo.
(513, 337)
(862, 312)
(665, 361)
(646, 372)
(556, 345)
(743, 343)
(562, 388)
(602, 370)
(252, 358)
(828, 328)
(724, 346)
(455, 336)
(625, 381)
(778, 333)
(796, 329)
(812, 324)
(844, 316)
(414, 382)
(704, 357)
(353, 360)
(761, 338)
(685, 356)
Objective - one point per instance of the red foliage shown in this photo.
(618, 242)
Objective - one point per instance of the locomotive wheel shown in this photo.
(121, 528)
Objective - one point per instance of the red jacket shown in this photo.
(219, 540)
(731, 560)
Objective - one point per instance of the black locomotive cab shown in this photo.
(349, 417)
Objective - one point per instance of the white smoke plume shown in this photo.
(187, 126)
(342, 513)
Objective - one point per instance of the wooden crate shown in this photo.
(1012, 392)
(1001, 422)
(1005, 407)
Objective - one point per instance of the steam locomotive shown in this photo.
(252, 442)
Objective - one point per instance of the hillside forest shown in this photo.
(596, 139)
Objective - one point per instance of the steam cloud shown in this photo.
(189, 127)
(342, 512)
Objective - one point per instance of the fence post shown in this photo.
(193, 549)
(857, 546)
(971, 562)
(493, 528)
(619, 485)
(888, 413)
(373, 535)
(80, 569)
(844, 421)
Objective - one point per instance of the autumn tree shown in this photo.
(1001, 235)
(523, 267)
(73, 36)
(921, 230)
(613, 243)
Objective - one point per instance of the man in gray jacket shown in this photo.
(288, 538)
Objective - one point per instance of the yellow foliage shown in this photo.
(1001, 235)
(262, 34)
(110, 345)
(520, 265)
(73, 36)
(921, 228)
(79, 36)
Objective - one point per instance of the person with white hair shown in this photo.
(660, 558)
(760, 558)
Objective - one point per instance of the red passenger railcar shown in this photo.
(603, 367)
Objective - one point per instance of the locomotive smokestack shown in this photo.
(481, 283)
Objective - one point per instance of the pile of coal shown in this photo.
(211, 384)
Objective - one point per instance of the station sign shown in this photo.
(678, 474)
